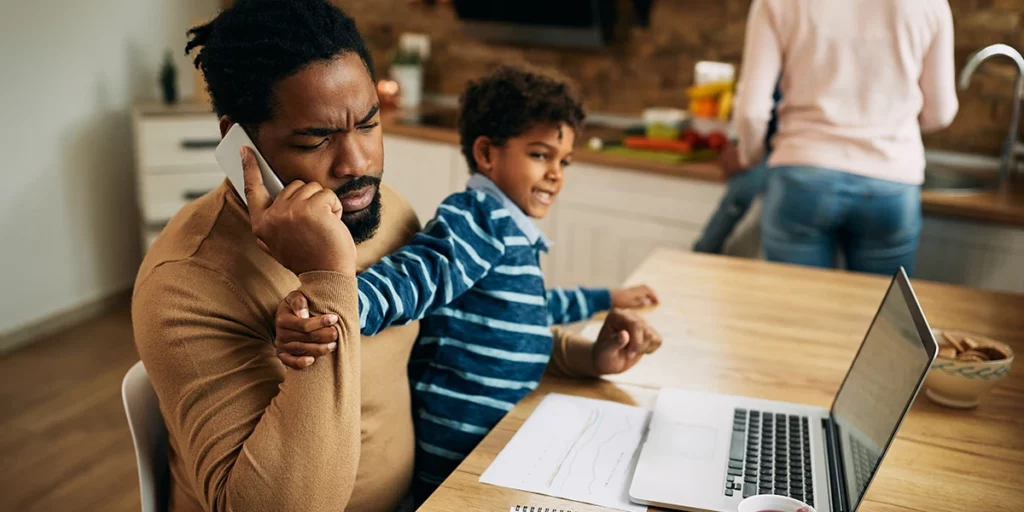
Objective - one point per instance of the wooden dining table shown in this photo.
(781, 332)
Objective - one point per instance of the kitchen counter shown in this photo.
(707, 171)
(181, 108)
(1003, 206)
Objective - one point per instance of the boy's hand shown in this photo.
(624, 338)
(300, 339)
(634, 297)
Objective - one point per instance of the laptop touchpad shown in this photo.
(682, 440)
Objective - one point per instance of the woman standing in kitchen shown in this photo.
(860, 81)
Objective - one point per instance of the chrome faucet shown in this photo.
(1007, 163)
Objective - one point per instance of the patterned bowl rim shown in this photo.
(986, 371)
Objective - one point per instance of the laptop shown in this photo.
(707, 452)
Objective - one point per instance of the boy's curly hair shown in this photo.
(511, 101)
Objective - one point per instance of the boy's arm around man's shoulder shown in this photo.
(455, 250)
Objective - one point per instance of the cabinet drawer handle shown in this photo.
(195, 144)
(192, 195)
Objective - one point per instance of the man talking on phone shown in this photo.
(244, 432)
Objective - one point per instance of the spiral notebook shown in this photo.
(524, 508)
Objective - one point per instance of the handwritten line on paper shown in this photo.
(574, 448)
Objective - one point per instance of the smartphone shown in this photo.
(229, 156)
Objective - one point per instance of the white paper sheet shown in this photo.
(574, 448)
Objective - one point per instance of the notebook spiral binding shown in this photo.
(524, 508)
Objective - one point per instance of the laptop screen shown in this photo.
(880, 386)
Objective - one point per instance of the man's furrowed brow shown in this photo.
(324, 131)
(366, 119)
(315, 131)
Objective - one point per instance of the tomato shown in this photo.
(692, 138)
(717, 141)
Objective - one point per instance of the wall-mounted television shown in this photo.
(566, 23)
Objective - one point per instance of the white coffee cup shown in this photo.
(763, 502)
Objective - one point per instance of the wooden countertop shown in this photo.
(789, 333)
(185, 107)
(1002, 206)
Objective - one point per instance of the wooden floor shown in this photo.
(64, 440)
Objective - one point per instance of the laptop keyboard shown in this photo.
(770, 454)
(863, 464)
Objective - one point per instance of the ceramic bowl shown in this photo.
(962, 384)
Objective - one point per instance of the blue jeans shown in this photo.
(739, 194)
(810, 213)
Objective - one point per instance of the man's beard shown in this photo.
(362, 224)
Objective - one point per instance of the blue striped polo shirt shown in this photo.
(473, 277)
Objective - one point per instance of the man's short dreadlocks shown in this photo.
(251, 46)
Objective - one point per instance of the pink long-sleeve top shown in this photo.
(860, 81)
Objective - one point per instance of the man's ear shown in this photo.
(483, 154)
(225, 124)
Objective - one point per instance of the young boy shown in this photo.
(473, 274)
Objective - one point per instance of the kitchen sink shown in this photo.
(952, 180)
(958, 173)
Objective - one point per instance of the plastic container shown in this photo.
(707, 71)
(664, 123)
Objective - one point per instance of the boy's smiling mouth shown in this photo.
(545, 197)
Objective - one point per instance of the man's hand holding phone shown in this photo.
(301, 228)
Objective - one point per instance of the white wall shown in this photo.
(69, 72)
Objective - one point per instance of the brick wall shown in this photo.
(652, 66)
(984, 115)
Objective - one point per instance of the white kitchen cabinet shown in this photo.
(607, 220)
(604, 223)
(601, 248)
(421, 171)
(968, 253)
(169, 142)
(460, 170)
(174, 148)
(161, 195)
